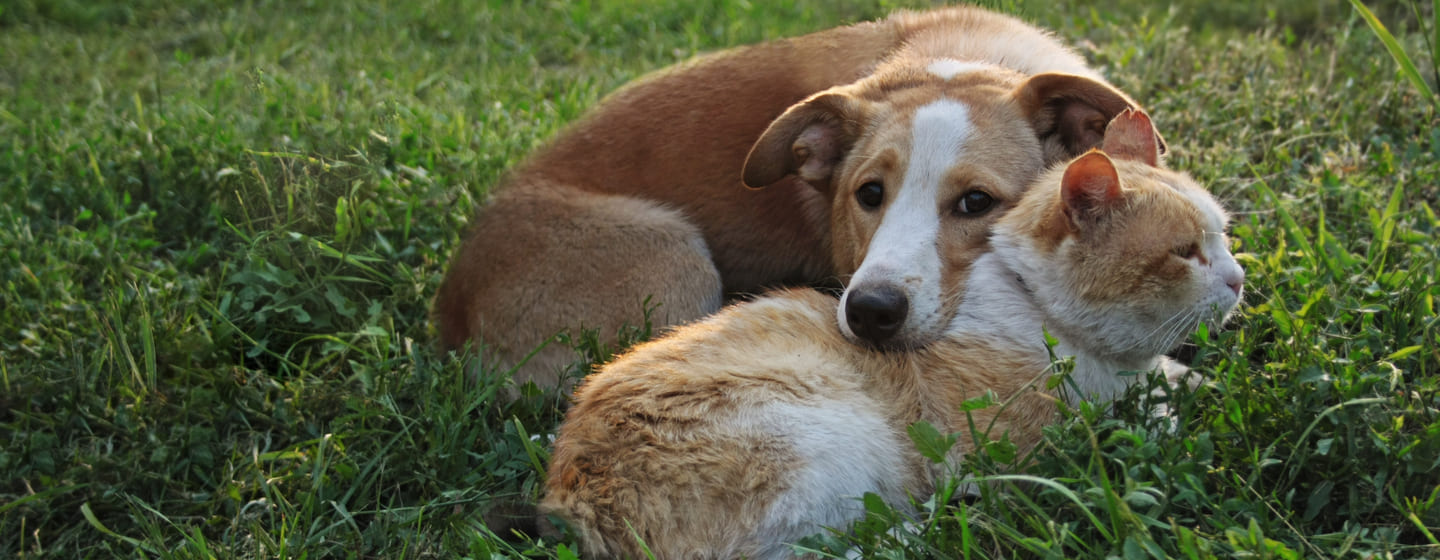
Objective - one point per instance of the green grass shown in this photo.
(223, 222)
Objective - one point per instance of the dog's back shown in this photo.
(643, 199)
(680, 136)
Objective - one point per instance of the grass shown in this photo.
(223, 222)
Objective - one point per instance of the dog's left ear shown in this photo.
(809, 139)
(1069, 113)
(1131, 136)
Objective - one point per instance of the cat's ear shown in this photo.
(1131, 136)
(1089, 187)
(809, 139)
(1069, 113)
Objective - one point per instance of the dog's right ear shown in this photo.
(809, 139)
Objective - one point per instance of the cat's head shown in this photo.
(1124, 257)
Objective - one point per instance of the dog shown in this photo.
(876, 156)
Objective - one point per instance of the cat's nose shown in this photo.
(1235, 279)
(876, 314)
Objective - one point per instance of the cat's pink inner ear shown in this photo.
(1131, 136)
(1090, 183)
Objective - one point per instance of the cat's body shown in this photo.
(737, 435)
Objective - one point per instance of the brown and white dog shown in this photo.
(877, 154)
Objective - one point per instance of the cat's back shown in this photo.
(744, 352)
(703, 439)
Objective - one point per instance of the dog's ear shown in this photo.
(1130, 136)
(809, 139)
(1069, 113)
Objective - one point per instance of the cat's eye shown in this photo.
(870, 195)
(1188, 252)
(974, 203)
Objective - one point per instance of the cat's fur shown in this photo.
(735, 436)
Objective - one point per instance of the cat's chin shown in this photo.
(1135, 348)
(1214, 321)
(1218, 314)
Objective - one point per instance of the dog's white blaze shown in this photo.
(904, 251)
(947, 68)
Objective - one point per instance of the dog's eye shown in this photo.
(870, 195)
(974, 203)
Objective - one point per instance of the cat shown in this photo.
(737, 435)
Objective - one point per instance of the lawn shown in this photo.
(221, 224)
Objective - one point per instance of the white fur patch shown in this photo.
(1222, 269)
(845, 450)
(904, 251)
(947, 68)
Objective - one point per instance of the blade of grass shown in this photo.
(1432, 41)
(1407, 66)
(1296, 234)
(967, 540)
(40, 496)
(1067, 493)
(532, 448)
(1387, 225)
(1295, 449)
(95, 522)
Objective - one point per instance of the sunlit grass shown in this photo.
(223, 222)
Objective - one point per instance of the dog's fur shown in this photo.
(643, 197)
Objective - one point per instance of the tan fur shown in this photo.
(643, 198)
(633, 423)
(650, 443)
(733, 436)
(649, 435)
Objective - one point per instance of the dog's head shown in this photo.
(919, 159)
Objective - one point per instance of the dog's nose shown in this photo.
(876, 314)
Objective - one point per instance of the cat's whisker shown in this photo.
(1172, 331)
(1171, 338)
(1168, 325)
(1180, 329)
(1229, 196)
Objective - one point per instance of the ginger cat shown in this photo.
(737, 435)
